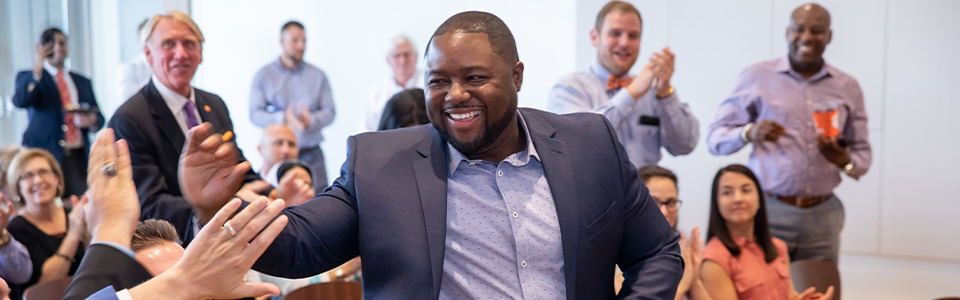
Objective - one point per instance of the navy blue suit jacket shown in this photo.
(43, 104)
(155, 141)
(389, 207)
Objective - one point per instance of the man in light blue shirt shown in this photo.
(292, 92)
(644, 110)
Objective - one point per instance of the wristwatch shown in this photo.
(849, 167)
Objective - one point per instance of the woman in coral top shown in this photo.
(741, 260)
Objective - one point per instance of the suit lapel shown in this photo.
(164, 117)
(431, 175)
(204, 115)
(559, 173)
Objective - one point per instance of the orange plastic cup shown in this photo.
(827, 122)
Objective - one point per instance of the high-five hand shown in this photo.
(113, 208)
(209, 171)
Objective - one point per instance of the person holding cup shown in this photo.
(774, 107)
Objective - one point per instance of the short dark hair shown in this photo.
(619, 6)
(498, 34)
(648, 172)
(761, 226)
(49, 35)
(404, 109)
(291, 24)
(152, 233)
(290, 165)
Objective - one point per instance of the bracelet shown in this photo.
(64, 256)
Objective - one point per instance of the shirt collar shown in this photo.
(602, 72)
(518, 159)
(173, 99)
(782, 65)
(296, 68)
(53, 70)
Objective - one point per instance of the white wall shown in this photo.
(903, 54)
(349, 41)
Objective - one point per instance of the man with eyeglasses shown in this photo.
(662, 184)
(402, 59)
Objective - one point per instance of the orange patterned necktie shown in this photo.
(71, 134)
(615, 83)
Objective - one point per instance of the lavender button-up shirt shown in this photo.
(503, 235)
(586, 91)
(15, 264)
(793, 165)
(275, 89)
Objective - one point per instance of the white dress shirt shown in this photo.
(132, 76)
(175, 102)
(381, 93)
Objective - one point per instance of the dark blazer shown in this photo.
(389, 207)
(105, 266)
(155, 141)
(43, 104)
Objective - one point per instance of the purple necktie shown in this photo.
(191, 116)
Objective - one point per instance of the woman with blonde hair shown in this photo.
(52, 234)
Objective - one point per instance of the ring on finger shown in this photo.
(109, 169)
(229, 228)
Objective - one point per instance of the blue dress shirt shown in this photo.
(503, 235)
(276, 88)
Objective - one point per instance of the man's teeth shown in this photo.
(805, 48)
(465, 115)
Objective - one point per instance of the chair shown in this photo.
(328, 291)
(48, 290)
(815, 273)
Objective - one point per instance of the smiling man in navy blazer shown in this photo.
(489, 201)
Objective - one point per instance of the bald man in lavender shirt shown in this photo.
(772, 107)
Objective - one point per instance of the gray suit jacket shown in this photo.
(389, 207)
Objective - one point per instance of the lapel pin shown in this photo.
(227, 135)
(206, 108)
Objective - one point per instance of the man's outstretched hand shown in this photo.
(209, 172)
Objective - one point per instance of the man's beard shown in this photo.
(489, 135)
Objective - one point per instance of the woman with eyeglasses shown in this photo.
(741, 260)
(662, 184)
(52, 234)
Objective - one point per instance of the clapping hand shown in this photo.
(209, 171)
(812, 294)
(642, 82)
(766, 130)
(662, 65)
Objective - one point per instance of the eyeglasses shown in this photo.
(43, 173)
(671, 205)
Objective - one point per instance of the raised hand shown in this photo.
(215, 262)
(295, 191)
(6, 214)
(112, 209)
(42, 52)
(642, 83)
(662, 65)
(766, 130)
(209, 171)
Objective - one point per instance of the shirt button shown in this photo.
(515, 214)
(523, 264)
(64, 127)
(63, 143)
(810, 124)
(500, 173)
